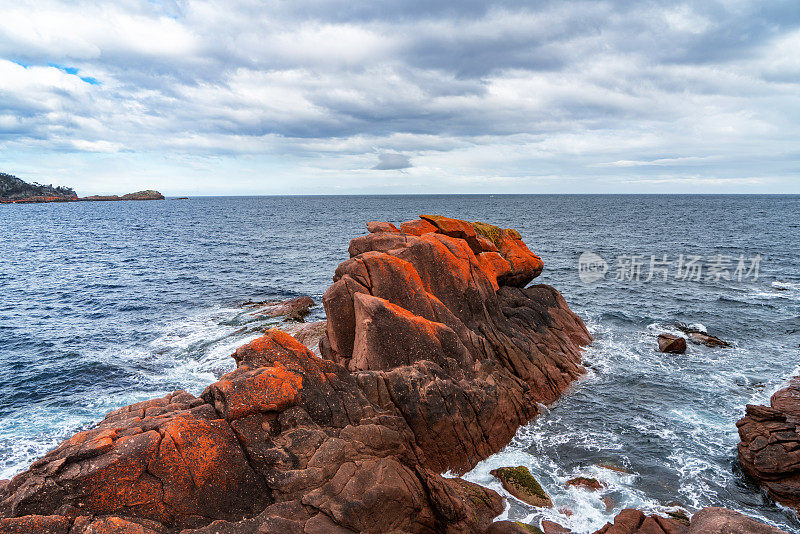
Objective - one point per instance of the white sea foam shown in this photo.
(189, 354)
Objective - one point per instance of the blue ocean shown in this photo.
(103, 304)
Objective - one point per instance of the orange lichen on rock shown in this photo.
(244, 392)
(434, 354)
(374, 227)
(53, 524)
(417, 227)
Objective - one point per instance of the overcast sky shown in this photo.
(421, 96)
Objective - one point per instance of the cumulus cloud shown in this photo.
(298, 96)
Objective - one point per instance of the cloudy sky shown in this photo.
(421, 96)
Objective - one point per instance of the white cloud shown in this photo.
(504, 95)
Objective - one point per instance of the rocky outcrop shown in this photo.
(724, 521)
(631, 521)
(15, 191)
(295, 309)
(671, 344)
(519, 482)
(701, 337)
(434, 353)
(706, 521)
(148, 194)
(769, 450)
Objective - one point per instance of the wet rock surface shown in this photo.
(724, 521)
(588, 483)
(434, 354)
(701, 337)
(706, 521)
(671, 344)
(769, 450)
(631, 521)
(519, 482)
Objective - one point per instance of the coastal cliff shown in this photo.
(13, 190)
(434, 353)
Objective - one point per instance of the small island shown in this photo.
(14, 190)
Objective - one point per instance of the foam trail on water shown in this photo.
(189, 354)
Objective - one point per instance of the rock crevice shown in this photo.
(434, 353)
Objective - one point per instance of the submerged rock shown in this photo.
(701, 337)
(705, 339)
(294, 309)
(520, 483)
(769, 450)
(433, 358)
(672, 344)
(611, 466)
(585, 482)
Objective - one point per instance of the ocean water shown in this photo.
(104, 304)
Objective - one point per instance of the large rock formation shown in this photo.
(769, 450)
(434, 354)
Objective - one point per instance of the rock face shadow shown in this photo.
(433, 354)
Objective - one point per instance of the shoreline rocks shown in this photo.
(588, 483)
(701, 337)
(295, 309)
(139, 195)
(769, 450)
(707, 521)
(671, 344)
(519, 482)
(434, 353)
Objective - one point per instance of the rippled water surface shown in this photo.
(104, 304)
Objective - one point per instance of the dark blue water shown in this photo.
(104, 304)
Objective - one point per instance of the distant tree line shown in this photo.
(15, 188)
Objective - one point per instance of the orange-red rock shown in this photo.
(706, 521)
(417, 227)
(434, 355)
(769, 450)
(631, 521)
(379, 226)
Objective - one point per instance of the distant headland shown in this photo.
(13, 190)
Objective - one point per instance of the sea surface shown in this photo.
(103, 304)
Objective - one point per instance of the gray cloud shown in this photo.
(392, 161)
(509, 89)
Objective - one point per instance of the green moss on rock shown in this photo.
(519, 482)
(489, 231)
(529, 528)
(679, 515)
